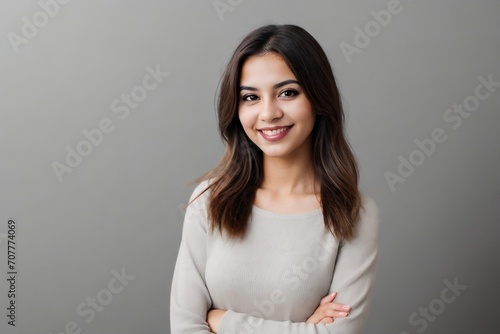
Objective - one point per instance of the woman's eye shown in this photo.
(249, 97)
(289, 92)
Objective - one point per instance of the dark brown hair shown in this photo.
(238, 174)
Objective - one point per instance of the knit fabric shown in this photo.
(273, 279)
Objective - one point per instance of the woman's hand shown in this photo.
(213, 319)
(327, 311)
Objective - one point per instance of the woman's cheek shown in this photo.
(246, 121)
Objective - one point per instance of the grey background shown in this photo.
(121, 207)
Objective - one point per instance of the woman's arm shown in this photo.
(353, 277)
(326, 312)
(189, 297)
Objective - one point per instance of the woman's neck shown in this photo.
(289, 176)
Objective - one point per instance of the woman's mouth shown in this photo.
(275, 134)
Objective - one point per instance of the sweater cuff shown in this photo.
(226, 324)
(231, 322)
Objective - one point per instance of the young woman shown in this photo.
(278, 230)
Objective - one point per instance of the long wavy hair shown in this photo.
(235, 179)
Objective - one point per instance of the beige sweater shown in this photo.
(273, 279)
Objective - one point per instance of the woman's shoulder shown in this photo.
(201, 192)
(369, 216)
(369, 208)
(196, 209)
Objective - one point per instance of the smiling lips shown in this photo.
(274, 134)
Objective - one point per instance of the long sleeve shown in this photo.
(189, 297)
(353, 278)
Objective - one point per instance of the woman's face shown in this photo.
(273, 109)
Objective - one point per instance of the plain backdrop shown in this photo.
(69, 69)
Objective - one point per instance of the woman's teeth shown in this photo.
(274, 132)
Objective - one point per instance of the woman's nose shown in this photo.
(270, 110)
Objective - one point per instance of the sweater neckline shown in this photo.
(306, 214)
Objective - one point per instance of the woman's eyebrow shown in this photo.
(286, 82)
(278, 85)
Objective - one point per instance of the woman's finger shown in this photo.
(326, 320)
(339, 307)
(335, 314)
(328, 299)
(313, 319)
(328, 310)
(316, 317)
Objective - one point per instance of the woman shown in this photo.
(278, 227)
